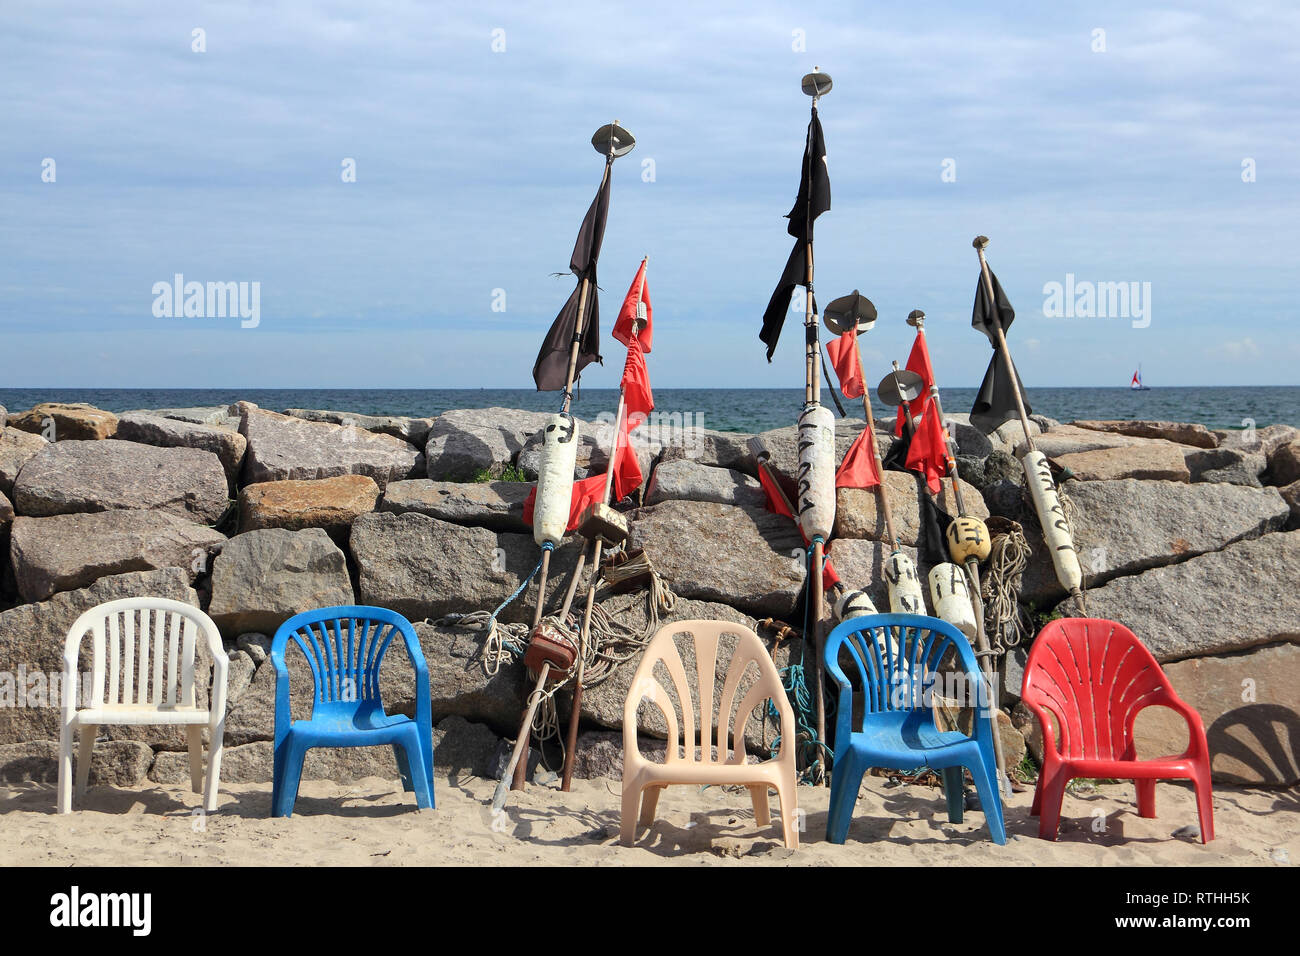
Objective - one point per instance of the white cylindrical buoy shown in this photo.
(905, 594)
(816, 502)
(853, 604)
(950, 595)
(968, 537)
(1051, 517)
(555, 480)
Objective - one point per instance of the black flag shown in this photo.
(814, 199)
(995, 402)
(551, 369)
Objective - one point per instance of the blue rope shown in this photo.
(514, 648)
(796, 687)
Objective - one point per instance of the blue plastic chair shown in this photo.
(344, 647)
(897, 659)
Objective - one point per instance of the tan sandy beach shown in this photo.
(371, 822)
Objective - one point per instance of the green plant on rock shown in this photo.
(508, 473)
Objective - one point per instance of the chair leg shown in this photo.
(986, 785)
(216, 744)
(846, 778)
(649, 803)
(403, 767)
(1146, 795)
(952, 791)
(418, 776)
(1037, 807)
(84, 753)
(631, 799)
(762, 809)
(194, 735)
(65, 769)
(288, 775)
(1204, 802)
(787, 799)
(1049, 820)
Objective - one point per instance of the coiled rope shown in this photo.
(1000, 590)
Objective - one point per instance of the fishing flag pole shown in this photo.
(992, 316)
(578, 328)
(968, 544)
(599, 523)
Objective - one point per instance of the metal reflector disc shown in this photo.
(817, 83)
(901, 386)
(850, 311)
(615, 135)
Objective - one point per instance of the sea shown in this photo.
(723, 409)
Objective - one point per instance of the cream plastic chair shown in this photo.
(706, 767)
(150, 680)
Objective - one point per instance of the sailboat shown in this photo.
(1136, 385)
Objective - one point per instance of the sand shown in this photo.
(372, 822)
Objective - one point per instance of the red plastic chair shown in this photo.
(1095, 676)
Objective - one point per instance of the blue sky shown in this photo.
(473, 170)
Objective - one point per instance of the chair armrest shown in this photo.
(1045, 725)
(281, 671)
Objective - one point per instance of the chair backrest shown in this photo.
(901, 663)
(1094, 676)
(142, 653)
(699, 720)
(344, 647)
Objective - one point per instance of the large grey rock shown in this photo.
(6, 510)
(65, 552)
(281, 447)
(741, 556)
(705, 446)
(78, 476)
(1243, 596)
(857, 513)
(425, 567)
(413, 430)
(113, 763)
(498, 505)
(66, 421)
(17, 447)
(4, 417)
(32, 638)
(970, 440)
(199, 415)
(227, 444)
(463, 442)
(1182, 433)
(1226, 465)
(1153, 461)
(1250, 706)
(262, 578)
(1066, 440)
(1127, 526)
(1291, 495)
(686, 480)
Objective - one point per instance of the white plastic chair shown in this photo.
(145, 647)
(698, 762)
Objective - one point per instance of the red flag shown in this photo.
(843, 353)
(858, 469)
(625, 327)
(636, 385)
(589, 491)
(928, 453)
(919, 362)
